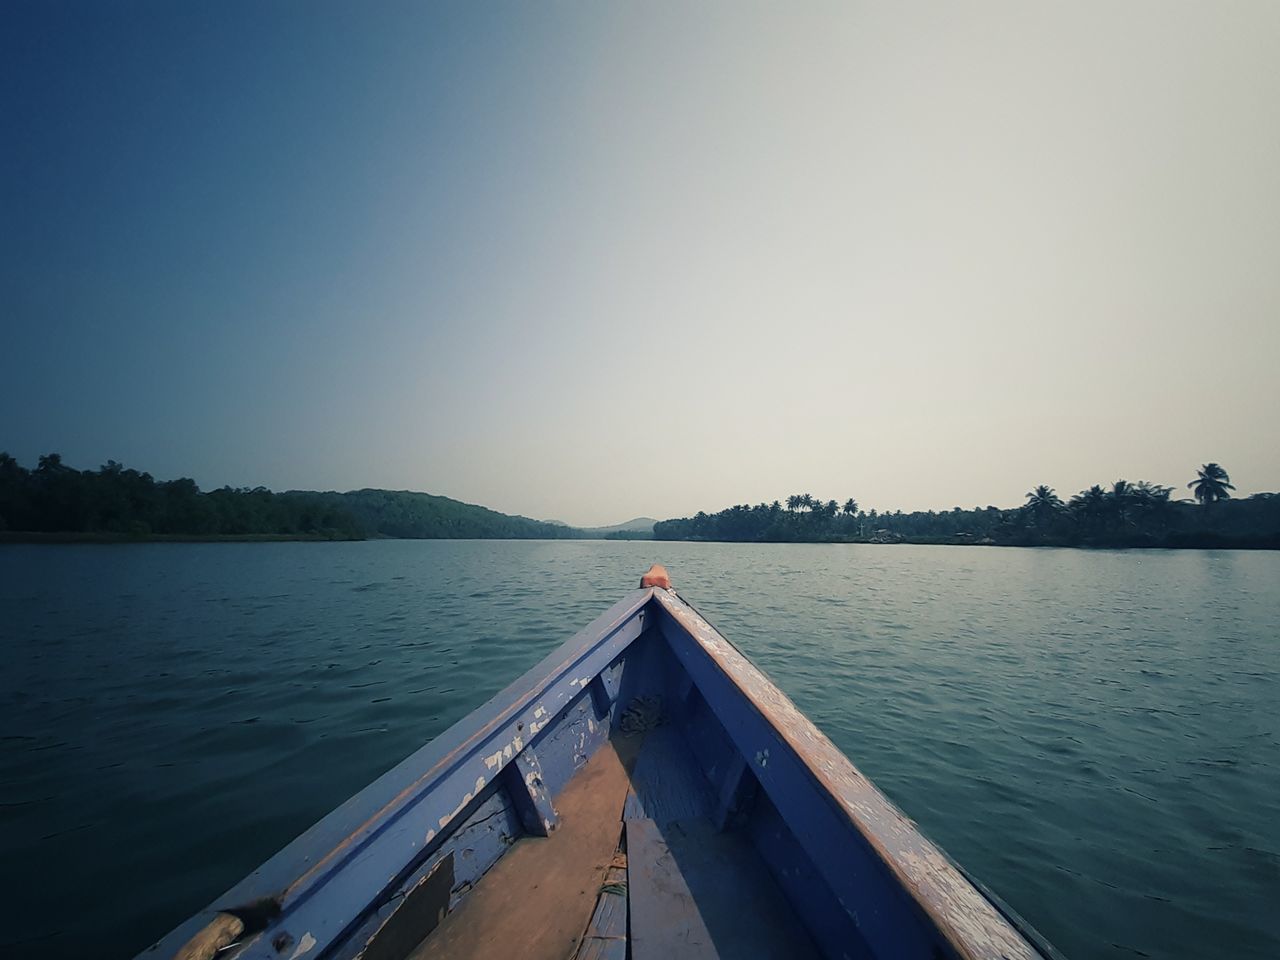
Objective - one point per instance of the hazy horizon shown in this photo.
(595, 263)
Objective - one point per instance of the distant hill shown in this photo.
(425, 516)
(640, 525)
(641, 528)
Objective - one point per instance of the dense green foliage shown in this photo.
(401, 513)
(117, 502)
(113, 500)
(1126, 514)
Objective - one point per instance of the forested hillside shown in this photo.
(114, 500)
(118, 502)
(403, 513)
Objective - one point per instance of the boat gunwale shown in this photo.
(292, 875)
(976, 926)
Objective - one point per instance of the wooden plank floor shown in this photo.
(537, 900)
(695, 892)
(667, 784)
(606, 936)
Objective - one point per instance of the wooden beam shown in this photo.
(530, 795)
(734, 793)
(603, 693)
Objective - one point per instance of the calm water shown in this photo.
(1096, 735)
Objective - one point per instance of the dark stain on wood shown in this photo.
(422, 910)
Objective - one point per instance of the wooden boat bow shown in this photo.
(724, 769)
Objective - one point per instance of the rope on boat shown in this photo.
(219, 932)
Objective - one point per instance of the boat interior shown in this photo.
(644, 792)
(657, 841)
(636, 867)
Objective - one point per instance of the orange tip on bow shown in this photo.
(656, 576)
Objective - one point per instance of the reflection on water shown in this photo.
(1093, 734)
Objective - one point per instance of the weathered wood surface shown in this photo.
(606, 934)
(824, 799)
(698, 893)
(529, 791)
(220, 931)
(666, 784)
(536, 902)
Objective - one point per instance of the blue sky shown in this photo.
(593, 261)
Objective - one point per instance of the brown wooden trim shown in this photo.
(965, 918)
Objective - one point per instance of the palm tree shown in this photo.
(1042, 503)
(806, 501)
(793, 502)
(1093, 498)
(1144, 490)
(1121, 496)
(50, 463)
(1090, 506)
(1044, 496)
(1211, 484)
(1152, 503)
(850, 507)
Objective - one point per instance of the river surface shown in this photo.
(1093, 734)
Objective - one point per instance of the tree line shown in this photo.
(1124, 514)
(113, 501)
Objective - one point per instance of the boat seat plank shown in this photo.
(698, 893)
(606, 936)
(667, 783)
(537, 900)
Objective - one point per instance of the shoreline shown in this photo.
(27, 536)
(1190, 543)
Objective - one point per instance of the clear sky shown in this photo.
(591, 261)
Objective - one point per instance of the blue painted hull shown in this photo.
(727, 776)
